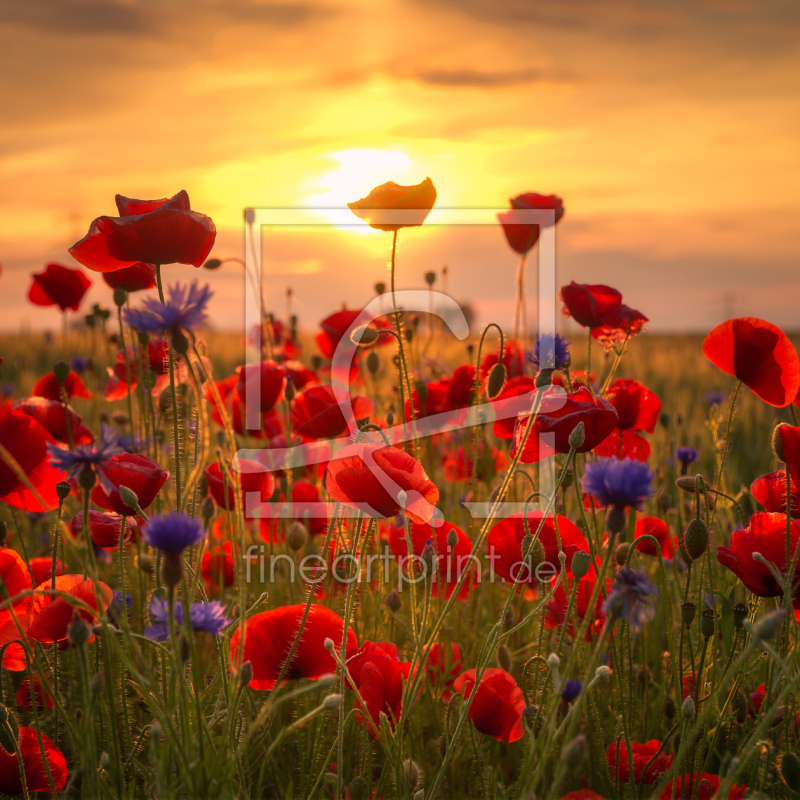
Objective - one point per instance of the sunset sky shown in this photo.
(670, 129)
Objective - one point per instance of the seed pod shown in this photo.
(296, 536)
(380, 287)
(777, 445)
(430, 278)
(670, 709)
(695, 539)
(504, 658)
(393, 601)
(688, 610)
(621, 553)
(707, 624)
(120, 297)
(61, 372)
(740, 613)
(145, 564)
(789, 768)
(581, 562)
(411, 771)
(63, 488)
(373, 362)
(497, 377)
(364, 336)
(567, 479)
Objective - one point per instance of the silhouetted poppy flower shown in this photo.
(505, 546)
(16, 579)
(558, 415)
(216, 567)
(498, 705)
(589, 304)
(27, 442)
(268, 377)
(656, 527)
(268, 636)
(41, 569)
(520, 387)
(308, 508)
(52, 415)
(637, 407)
(47, 386)
(451, 562)
(24, 696)
(790, 443)
(522, 235)
(105, 528)
(139, 473)
(161, 232)
(770, 491)
(556, 608)
(619, 324)
(59, 286)
(379, 675)
(513, 361)
(444, 667)
(458, 463)
(632, 446)
(33, 765)
(703, 780)
(316, 414)
(51, 616)
(252, 478)
(759, 354)
(642, 753)
(137, 277)
(378, 206)
(766, 534)
(369, 477)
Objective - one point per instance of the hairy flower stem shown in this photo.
(127, 376)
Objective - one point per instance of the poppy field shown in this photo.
(375, 563)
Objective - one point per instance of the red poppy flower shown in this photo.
(117, 384)
(415, 203)
(14, 658)
(633, 446)
(316, 414)
(517, 395)
(589, 304)
(444, 667)
(654, 526)
(136, 278)
(790, 444)
(766, 534)
(269, 635)
(450, 561)
(161, 232)
(433, 401)
(620, 324)
(687, 686)
(757, 699)
(52, 416)
(41, 569)
(217, 568)
(759, 354)
(379, 675)
(306, 507)
(637, 407)
(458, 463)
(252, 478)
(27, 441)
(105, 528)
(703, 793)
(368, 477)
(16, 580)
(505, 546)
(556, 609)
(33, 765)
(269, 377)
(461, 386)
(139, 473)
(47, 386)
(513, 361)
(334, 328)
(51, 616)
(498, 705)
(770, 491)
(582, 794)
(642, 753)
(58, 286)
(520, 235)
(300, 375)
(559, 414)
(24, 697)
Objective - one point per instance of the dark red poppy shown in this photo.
(368, 477)
(306, 507)
(687, 686)
(498, 705)
(656, 527)
(59, 286)
(703, 780)
(589, 304)
(642, 753)
(521, 235)
(14, 658)
(252, 478)
(619, 325)
(47, 386)
(505, 546)
(770, 491)
(556, 608)
(517, 395)
(334, 327)
(217, 568)
(451, 562)
(269, 635)
(16, 579)
(757, 699)
(458, 463)
(766, 534)
(632, 446)
(25, 698)
(139, 473)
(316, 414)
(637, 407)
(379, 675)
(268, 378)
(513, 361)
(300, 375)
(34, 767)
(136, 278)
(443, 667)
(790, 444)
(52, 415)
(415, 202)
(161, 232)
(558, 415)
(41, 569)
(759, 354)
(27, 442)
(433, 400)
(582, 794)
(51, 616)
(117, 384)
(105, 528)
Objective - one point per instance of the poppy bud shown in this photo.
(739, 613)
(553, 662)
(768, 626)
(393, 601)
(179, 341)
(96, 684)
(581, 561)
(789, 768)
(567, 479)
(497, 377)
(533, 552)
(364, 336)
(504, 658)
(428, 558)
(120, 418)
(120, 297)
(430, 278)
(615, 519)
(574, 753)
(212, 263)
(172, 569)
(207, 509)
(145, 564)
(687, 709)
(408, 335)
(144, 338)
(105, 760)
(373, 362)
(578, 436)
(61, 372)
(411, 771)
(78, 632)
(777, 446)
(664, 420)
(128, 497)
(529, 714)
(664, 502)
(380, 287)
(544, 378)
(688, 483)
(707, 624)
(331, 702)
(695, 539)
(452, 538)
(245, 675)
(669, 709)
(688, 610)
(390, 418)
(87, 478)
(296, 536)
(359, 788)
(621, 553)
(63, 488)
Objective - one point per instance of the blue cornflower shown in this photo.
(616, 482)
(203, 617)
(115, 608)
(686, 455)
(571, 689)
(172, 533)
(550, 351)
(632, 598)
(184, 311)
(86, 456)
(715, 398)
(79, 364)
(8, 389)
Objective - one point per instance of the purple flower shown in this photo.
(615, 482)
(79, 364)
(8, 389)
(185, 310)
(715, 398)
(173, 532)
(550, 351)
(571, 689)
(91, 456)
(686, 455)
(632, 598)
(203, 617)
